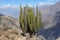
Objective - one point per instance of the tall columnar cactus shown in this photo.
(29, 21)
(21, 20)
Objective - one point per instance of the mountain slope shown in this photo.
(52, 32)
(7, 22)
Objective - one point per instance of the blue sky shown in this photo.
(13, 5)
(38, 2)
(28, 2)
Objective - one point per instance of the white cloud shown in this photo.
(52, 0)
(30, 5)
(23, 5)
(45, 3)
(8, 6)
(48, 2)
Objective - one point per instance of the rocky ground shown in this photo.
(10, 30)
(10, 34)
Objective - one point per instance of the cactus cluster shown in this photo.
(30, 20)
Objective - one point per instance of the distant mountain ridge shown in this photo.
(48, 13)
(8, 11)
(1, 15)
